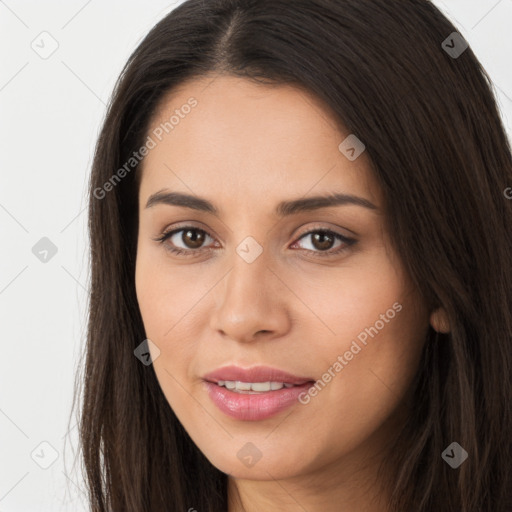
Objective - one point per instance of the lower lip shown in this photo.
(254, 407)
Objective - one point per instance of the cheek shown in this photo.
(171, 309)
(161, 309)
(164, 294)
(352, 297)
(359, 393)
(150, 297)
(368, 360)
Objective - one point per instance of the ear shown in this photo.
(439, 321)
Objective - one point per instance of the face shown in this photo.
(300, 305)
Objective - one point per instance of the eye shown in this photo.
(322, 242)
(191, 237)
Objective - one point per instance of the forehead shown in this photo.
(225, 135)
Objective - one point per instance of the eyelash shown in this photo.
(192, 252)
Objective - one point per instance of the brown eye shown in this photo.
(184, 241)
(322, 240)
(193, 238)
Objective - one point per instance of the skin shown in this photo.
(246, 147)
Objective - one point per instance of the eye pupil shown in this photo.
(195, 240)
(322, 240)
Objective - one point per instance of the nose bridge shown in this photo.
(247, 283)
(247, 301)
(250, 256)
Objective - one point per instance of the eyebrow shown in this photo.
(283, 209)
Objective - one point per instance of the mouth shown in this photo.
(257, 378)
(254, 387)
(256, 393)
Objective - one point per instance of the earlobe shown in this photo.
(439, 321)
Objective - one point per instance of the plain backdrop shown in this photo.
(59, 62)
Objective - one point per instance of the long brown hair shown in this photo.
(439, 151)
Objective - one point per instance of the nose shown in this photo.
(251, 302)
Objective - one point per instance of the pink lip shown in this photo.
(255, 374)
(254, 407)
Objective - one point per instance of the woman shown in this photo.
(301, 266)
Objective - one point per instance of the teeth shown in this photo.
(258, 387)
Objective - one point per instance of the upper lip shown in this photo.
(254, 374)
